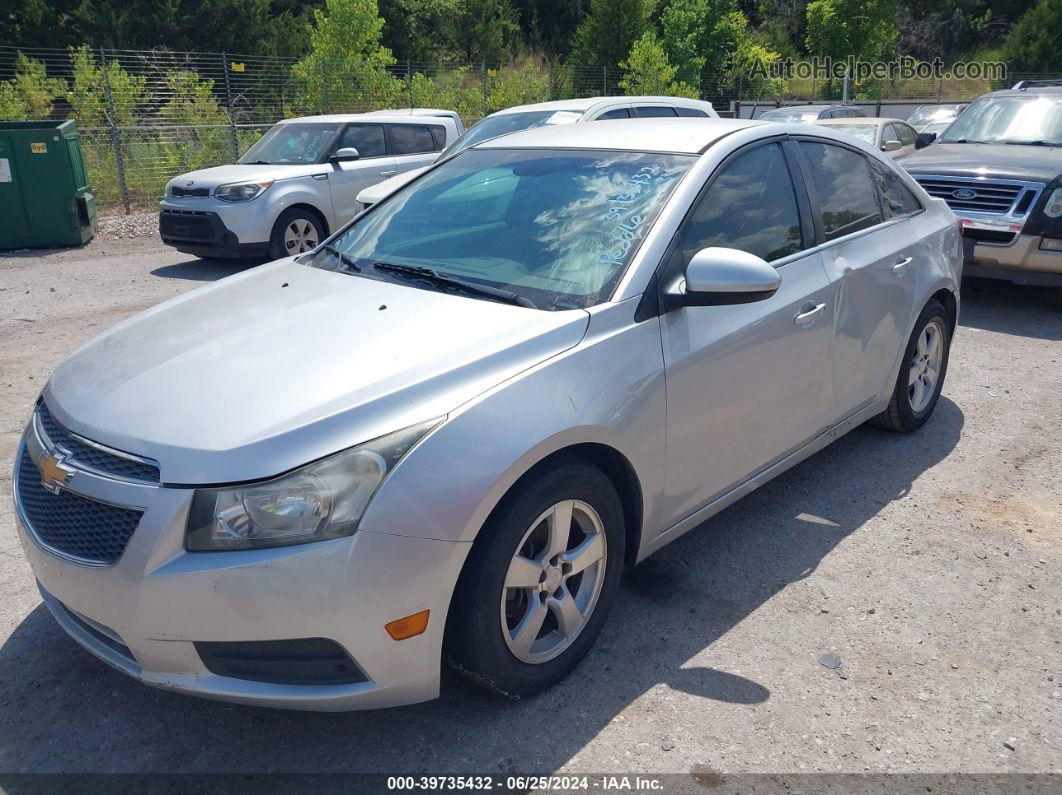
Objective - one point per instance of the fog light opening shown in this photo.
(408, 627)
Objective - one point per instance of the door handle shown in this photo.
(808, 314)
(900, 266)
(388, 173)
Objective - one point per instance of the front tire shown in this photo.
(922, 371)
(295, 231)
(539, 582)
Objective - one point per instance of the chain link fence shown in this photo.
(148, 115)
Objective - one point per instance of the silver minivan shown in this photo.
(445, 432)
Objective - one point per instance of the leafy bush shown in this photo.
(647, 71)
(31, 93)
(88, 92)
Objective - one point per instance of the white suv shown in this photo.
(543, 114)
(298, 183)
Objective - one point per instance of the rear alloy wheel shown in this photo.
(296, 231)
(921, 374)
(539, 581)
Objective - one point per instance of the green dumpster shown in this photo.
(45, 199)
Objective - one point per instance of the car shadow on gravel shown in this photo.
(206, 270)
(1015, 309)
(62, 710)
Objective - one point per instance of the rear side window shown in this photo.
(847, 197)
(409, 139)
(654, 111)
(896, 198)
(615, 113)
(750, 206)
(438, 137)
(691, 112)
(368, 139)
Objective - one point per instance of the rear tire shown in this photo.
(296, 231)
(523, 613)
(922, 371)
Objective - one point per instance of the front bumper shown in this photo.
(212, 228)
(1022, 261)
(145, 614)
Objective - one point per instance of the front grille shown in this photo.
(185, 224)
(71, 524)
(88, 456)
(199, 193)
(995, 196)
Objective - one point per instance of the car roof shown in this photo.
(803, 108)
(877, 121)
(583, 104)
(374, 117)
(1027, 91)
(682, 135)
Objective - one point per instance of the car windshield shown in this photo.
(505, 123)
(864, 132)
(789, 116)
(292, 144)
(555, 228)
(936, 127)
(1009, 120)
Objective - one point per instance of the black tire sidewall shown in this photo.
(276, 237)
(911, 419)
(475, 644)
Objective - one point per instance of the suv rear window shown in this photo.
(681, 111)
(409, 139)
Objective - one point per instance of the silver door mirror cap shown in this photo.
(891, 146)
(717, 276)
(346, 153)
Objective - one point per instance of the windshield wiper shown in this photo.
(1032, 143)
(434, 277)
(343, 258)
(257, 163)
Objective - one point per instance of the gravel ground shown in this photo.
(118, 226)
(892, 604)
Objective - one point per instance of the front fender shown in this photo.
(316, 193)
(609, 390)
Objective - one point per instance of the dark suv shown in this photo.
(999, 167)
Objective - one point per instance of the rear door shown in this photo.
(348, 178)
(414, 145)
(747, 383)
(871, 265)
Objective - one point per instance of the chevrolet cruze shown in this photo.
(443, 433)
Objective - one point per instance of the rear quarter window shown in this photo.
(409, 139)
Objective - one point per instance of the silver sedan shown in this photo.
(444, 432)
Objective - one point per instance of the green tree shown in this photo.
(861, 29)
(88, 90)
(191, 100)
(647, 71)
(30, 94)
(1035, 42)
(608, 33)
(481, 30)
(347, 64)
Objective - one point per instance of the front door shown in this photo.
(746, 384)
(348, 178)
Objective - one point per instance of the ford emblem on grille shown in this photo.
(964, 193)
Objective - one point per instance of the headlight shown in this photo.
(241, 191)
(322, 500)
(1053, 208)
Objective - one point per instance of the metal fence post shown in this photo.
(549, 80)
(940, 88)
(116, 139)
(409, 85)
(324, 87)
(233, 138)
(483, 80)
(604, 81)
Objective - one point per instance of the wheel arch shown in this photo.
(317, 213)
(951, 305)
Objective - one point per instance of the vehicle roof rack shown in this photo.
(1021, 85)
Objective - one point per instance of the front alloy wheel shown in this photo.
(539, 581)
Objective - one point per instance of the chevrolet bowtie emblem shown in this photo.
(54, 473)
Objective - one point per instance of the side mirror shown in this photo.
(891, 146)
(346, 153)
(924, 139)
(718, 276)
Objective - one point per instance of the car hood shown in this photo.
(381, 190)
(275, 367)
(1035, 163)
(235, 172)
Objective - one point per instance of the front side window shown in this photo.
(292, 144)
(906, 133)
(1031, 119)
(750, 206)
(368, 139)
(409, 139)
(847, 197)
(557, 227)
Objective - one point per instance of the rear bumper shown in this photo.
(204, 234)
